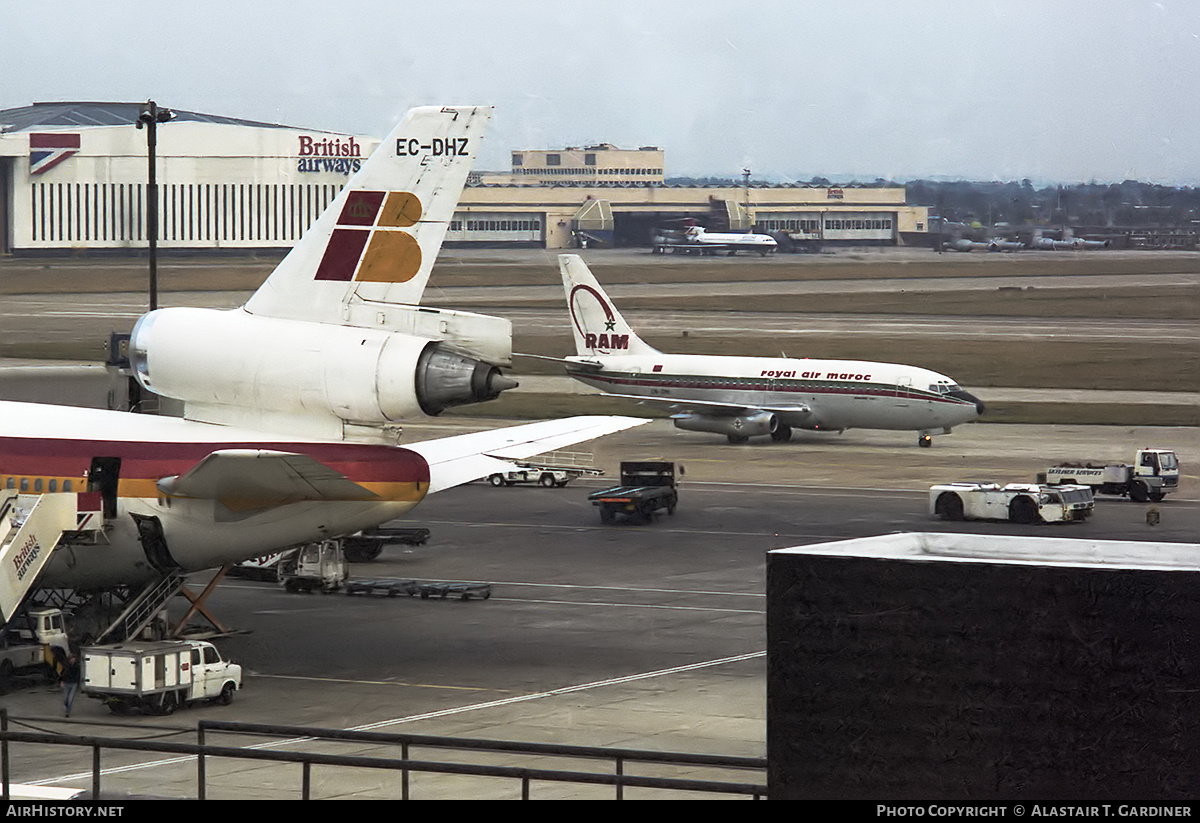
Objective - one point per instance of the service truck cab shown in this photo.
(1153, 474)
(27, 644)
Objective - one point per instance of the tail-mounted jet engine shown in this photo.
(218, 362)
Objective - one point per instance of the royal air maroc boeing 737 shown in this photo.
(292, 402)
(744, 397)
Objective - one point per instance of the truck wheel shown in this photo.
(671, 504)
(496, 480)
(949, 506)
(606, 515)
(1139, 492)
(546, 481)
(1157, 497)
(227, 694)
(1022, 510)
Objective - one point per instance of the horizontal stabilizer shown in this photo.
(258, 478)
(466, 457)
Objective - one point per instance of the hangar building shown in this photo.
(73, 179)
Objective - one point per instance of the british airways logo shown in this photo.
(329, 155)
(587, 322)
(48, 150)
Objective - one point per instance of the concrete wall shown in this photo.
(928, 675)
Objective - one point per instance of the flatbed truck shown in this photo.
(646, 486)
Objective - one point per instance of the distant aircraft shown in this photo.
(743, 397)
(1000, 244)
(1069, 244)
(335, 345)
(995, 244)
(964, 245)
(293, 400)
(697, 239)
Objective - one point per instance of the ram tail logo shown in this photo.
(584, 303)
(369, 243)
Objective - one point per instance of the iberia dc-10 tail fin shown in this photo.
(599, 328)
(377, 241)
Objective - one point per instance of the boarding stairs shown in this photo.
(143, 608)
(31, 526)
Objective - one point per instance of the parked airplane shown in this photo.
(180, 496)
(743, 397)
(292, 400)
(994, 244)
(1068, 244)
(699, 239)
(334, 344)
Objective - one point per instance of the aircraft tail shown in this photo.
(377, 241)
(599, 328)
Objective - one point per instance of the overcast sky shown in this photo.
(1056, 91)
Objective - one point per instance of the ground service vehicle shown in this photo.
(646, 485)
(319, 566)
(368, 543)
(547, 478)
(158, 677)
(555, 468)
(26, 644)
(1153, 473)
(1018, 502)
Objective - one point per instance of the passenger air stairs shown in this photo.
(31, 525)
(143, 608)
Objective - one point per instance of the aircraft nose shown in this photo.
(980, 407)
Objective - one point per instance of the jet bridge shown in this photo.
(31, 526)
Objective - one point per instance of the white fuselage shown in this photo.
(811, 394)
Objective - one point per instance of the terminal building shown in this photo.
(73, 180)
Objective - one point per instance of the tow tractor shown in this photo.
(1018, 502)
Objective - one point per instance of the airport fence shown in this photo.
(617, 776)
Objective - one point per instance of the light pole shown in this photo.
(149, 117)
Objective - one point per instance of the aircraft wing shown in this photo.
(466, 457)
(716, 408)
(257, 478)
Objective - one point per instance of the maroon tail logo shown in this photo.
(605, 341)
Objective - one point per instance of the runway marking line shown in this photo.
(632, 605)
(492, 704)
(375, 683)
